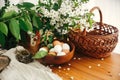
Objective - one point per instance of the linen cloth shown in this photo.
(20, 71)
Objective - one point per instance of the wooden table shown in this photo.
(87, 68)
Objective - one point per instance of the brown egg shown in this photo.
(66, 50)
(56, 42)
(52, 53)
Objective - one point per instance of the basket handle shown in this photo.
(101, 19)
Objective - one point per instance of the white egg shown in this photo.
(43, 49)
(65, 46)
(58, 48)
(52, 50)
(61, 54)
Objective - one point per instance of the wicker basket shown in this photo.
(97, 43)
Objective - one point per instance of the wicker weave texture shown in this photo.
(97, 43)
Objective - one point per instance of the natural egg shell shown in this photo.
(62, 43)
(52, 50)
(52, 53)
(56, 42)
(65, 46)
(58, 48)
(44, 49)
(61, 53)
(66, 51)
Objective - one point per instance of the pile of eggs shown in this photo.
(58, 49)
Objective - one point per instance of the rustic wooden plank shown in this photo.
(88, 68)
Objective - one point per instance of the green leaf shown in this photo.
(28, 17)
(72, 24)
(84, 1)
(59, 3)
(55, 6)
(29, 25)
(45, 39)
(26, 5)
(76, 4)
(50, 46)
(50, 38)
(2, 39)
(40, 54)
(3, 28)
(9, 14)
(23, 25)
(14, 28)
(40, 3)
(90, 20)
(36, 22)
(50, 2)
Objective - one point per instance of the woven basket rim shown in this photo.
(98, 42)
(109, 34)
